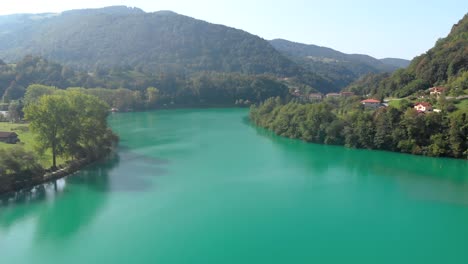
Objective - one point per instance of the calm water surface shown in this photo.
(204, 186)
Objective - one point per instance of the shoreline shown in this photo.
(177, 107)
(48, 177)
(344, 146)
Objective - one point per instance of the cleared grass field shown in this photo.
(27, 141)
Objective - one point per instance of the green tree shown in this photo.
(48, 120)
(14, 111)
(458, 135)
(87, 133)
(18, 163)
(438, 145)
(35, 91)
(152, 96)
(71, 124)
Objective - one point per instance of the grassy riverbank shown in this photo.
(27, 141)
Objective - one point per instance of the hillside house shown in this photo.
(347, 94)
(296, 93)
(333, 95)
(9, 137)
(371, 103)
(437, 91)
(315, 97)
(423, 107)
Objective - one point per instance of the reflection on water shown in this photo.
(424, 178)
(90, 188)
(136, 171)
(201, 186)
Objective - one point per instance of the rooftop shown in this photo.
(425, 104)
(7, 134)
(372, 101)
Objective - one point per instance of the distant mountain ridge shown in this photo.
(400, 63)
(342, 68)
(151, 43)
(126, 38)
(120, 36)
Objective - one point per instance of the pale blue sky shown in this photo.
(394, 28)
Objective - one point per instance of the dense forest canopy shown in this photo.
(130, 90)
(445, 64)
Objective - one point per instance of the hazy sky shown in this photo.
(392, 28)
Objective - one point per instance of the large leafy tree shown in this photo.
(87, 133)
(49, 120)
(70, 124)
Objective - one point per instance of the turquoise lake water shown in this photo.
(205, 186)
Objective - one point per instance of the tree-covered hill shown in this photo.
(337, 67)
(445, 64)
(151, 43)
(399, 63)
(134, 90)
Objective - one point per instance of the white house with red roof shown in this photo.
(423, 107)
(437, 90)
(371, 103)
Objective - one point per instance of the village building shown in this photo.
(315, 97)
(296, 93)
(423, 107)
(347, 94)
(371, 103)
(437, 91)
(9, 137)
(333, 95)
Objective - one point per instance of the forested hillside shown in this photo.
(134, 90)
(339, 68)
(445, 64)
(120, 38)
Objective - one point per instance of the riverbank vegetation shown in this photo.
(27, 142)
(69, 125)
(438, 78)
(346, 122)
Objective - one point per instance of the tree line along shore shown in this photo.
(348, 122)
(66, 130)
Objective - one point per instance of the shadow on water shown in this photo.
(422, 178)
(62, 208)
(136, 171)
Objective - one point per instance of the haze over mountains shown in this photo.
(128, 38)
